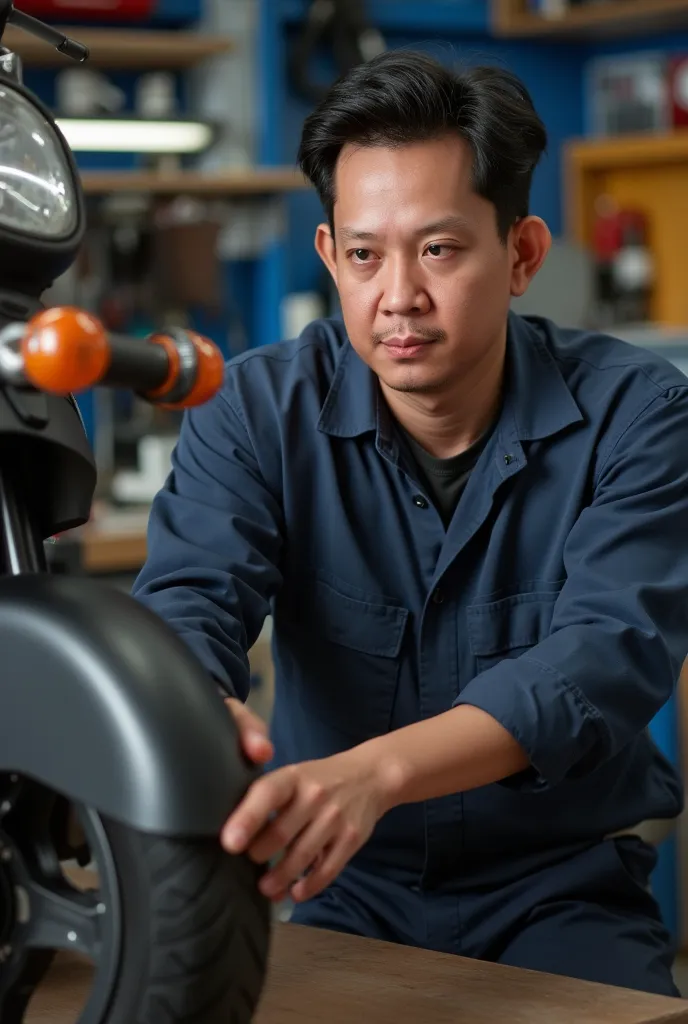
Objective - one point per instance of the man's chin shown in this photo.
(411, 383)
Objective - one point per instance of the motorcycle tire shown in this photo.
(195, 931)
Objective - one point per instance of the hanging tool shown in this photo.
(344, 25)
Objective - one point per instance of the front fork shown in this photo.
(21, 546)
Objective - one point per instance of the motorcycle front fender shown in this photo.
(101, 701)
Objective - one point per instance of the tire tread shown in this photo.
(208, 933)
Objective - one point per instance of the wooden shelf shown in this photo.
(121, 48)
(642, 171)
(638, 150)
(258, 181)
(597, 20)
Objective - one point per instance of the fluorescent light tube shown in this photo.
(111, 135)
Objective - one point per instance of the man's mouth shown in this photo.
(406, 346)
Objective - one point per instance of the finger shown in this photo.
(279, 833)
(301, 854)
(335, 859)
(265, 796)
(281, 897)
(284, 829)
(245, 718)
(253, 732)
(258, 749)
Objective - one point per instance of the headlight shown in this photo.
(42, 215)
(37, 190)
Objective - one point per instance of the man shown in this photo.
(470, 529)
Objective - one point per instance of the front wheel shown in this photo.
(176, 928)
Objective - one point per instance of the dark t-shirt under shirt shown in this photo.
(445, 479)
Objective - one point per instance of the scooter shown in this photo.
(115, 746)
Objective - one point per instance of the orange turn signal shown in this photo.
(209, 374)
(65, 350)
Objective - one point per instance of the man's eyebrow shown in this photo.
(356, 235)
(453, 222)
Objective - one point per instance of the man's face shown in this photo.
(423, 277)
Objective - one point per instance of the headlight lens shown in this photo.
(37, 194)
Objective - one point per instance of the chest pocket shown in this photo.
(349, 660)
(509, 627)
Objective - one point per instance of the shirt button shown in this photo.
(420, 501)
(438, 595)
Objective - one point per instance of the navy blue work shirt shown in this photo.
(556, 599)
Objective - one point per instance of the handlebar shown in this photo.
(64, 350)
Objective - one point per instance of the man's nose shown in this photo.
(403, 293)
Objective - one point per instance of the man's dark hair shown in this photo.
(403, 97)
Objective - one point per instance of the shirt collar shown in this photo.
(540, 399)
(351, 405)
(537, 394)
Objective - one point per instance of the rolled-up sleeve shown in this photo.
(619, 632)
(214, 544)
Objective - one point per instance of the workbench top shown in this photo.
(319, 977)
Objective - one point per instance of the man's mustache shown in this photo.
(401, 330)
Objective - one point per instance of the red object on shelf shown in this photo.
(607, 234)
(86, 10)
(678, 91)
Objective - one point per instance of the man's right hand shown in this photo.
(253, 732)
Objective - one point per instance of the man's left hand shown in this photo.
(317, 814)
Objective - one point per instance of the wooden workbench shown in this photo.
(112, 544)
(319, 977)
(110, 552)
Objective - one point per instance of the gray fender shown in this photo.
(102, 702)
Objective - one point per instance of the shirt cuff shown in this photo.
(560, 731)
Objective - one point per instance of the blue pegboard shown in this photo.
(179, 12)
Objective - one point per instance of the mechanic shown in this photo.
(469, 528)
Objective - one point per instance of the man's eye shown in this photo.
(362, 254)
(436, 249)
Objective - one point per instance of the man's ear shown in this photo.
(324, 246)
(530, 241)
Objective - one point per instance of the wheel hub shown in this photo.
(7, 908)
